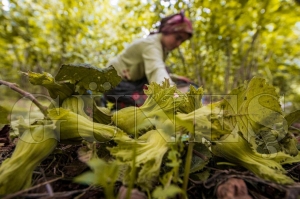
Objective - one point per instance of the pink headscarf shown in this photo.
(177, 23)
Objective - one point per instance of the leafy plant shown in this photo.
(103, 174)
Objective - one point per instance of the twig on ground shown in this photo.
(294, 167)
(55, 195)
(48, 186)
(31, 188)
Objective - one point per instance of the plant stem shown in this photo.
(131, 183)
(109, 191)
(188, 164)
(26, 95)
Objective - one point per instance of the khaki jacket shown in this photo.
(144, 56)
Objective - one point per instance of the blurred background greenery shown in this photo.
(233, 40)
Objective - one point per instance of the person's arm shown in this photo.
(155, 69)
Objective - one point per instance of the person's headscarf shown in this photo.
(176, 23)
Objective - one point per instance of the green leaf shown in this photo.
(88, 77)
(253, 106)
(204, 122)
(237, 150)
(150, 150)
(166, 192)
(101, 114)
(160, 104)
(198, 163)
(292, 117)
(202, 176)
(86, 178)
(103, 174)
(193, 100)
(61, 90)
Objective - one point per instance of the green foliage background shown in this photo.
(234, 40)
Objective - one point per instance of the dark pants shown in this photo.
(127, 93)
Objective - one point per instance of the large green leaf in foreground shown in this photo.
(88, 77)
(255, 109)
(253, 105)
(237, 150)
(292, 117)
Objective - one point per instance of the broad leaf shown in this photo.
(292, 117)
(88, 77)
(198, 163)
(253, 106)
